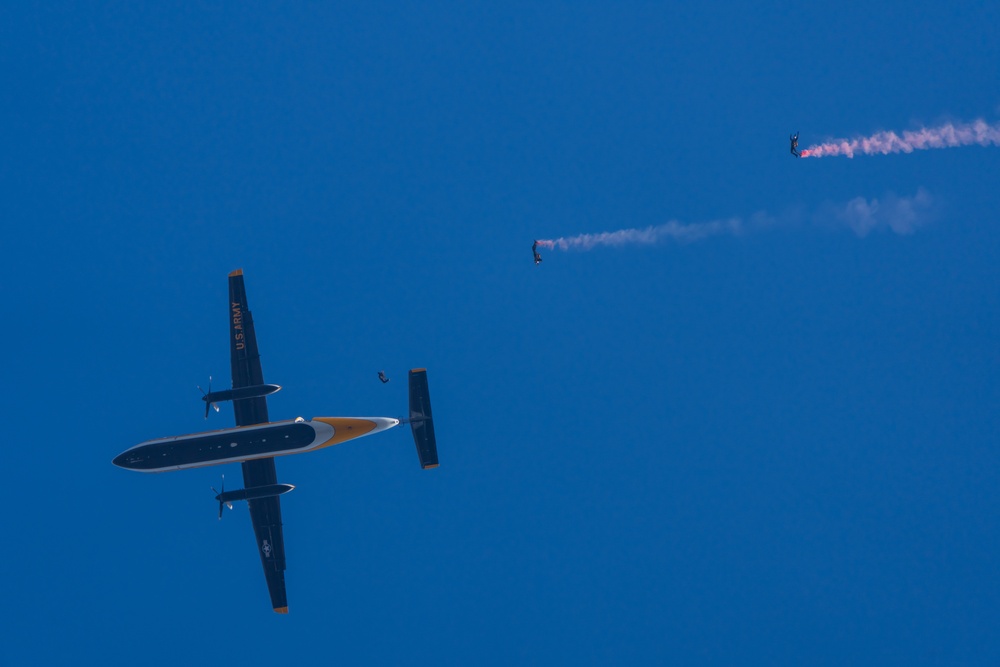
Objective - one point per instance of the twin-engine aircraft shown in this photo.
(255, 442)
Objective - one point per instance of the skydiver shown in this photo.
(382, 377)
(795, 144)
(534, 251)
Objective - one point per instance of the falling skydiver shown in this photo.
(795, 144)
(382, 377)
(534, 251)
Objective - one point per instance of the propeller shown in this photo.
(204, 395)
(218, 496)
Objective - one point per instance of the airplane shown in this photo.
(256, 442)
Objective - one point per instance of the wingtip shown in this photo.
(281, 610)
(237, 272)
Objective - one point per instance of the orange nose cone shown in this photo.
(349, 428)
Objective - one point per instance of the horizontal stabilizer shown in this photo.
(420, 419)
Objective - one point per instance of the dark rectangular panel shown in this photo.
(421, 421)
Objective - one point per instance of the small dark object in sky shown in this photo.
(382, 377)
(534, 251)
(794, 138)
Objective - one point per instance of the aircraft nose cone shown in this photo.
(120, 460)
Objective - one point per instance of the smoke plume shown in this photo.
(672, 230)
(901, 215)
(949, 135)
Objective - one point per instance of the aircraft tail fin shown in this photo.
(420, 419)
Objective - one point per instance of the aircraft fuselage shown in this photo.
(247, 443)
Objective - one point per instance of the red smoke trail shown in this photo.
(883, 143)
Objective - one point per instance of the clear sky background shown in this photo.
(777, 447)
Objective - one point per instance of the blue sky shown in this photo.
(776, 447)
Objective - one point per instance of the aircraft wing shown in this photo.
(264, 512)
(243, 354)
(266, 516)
